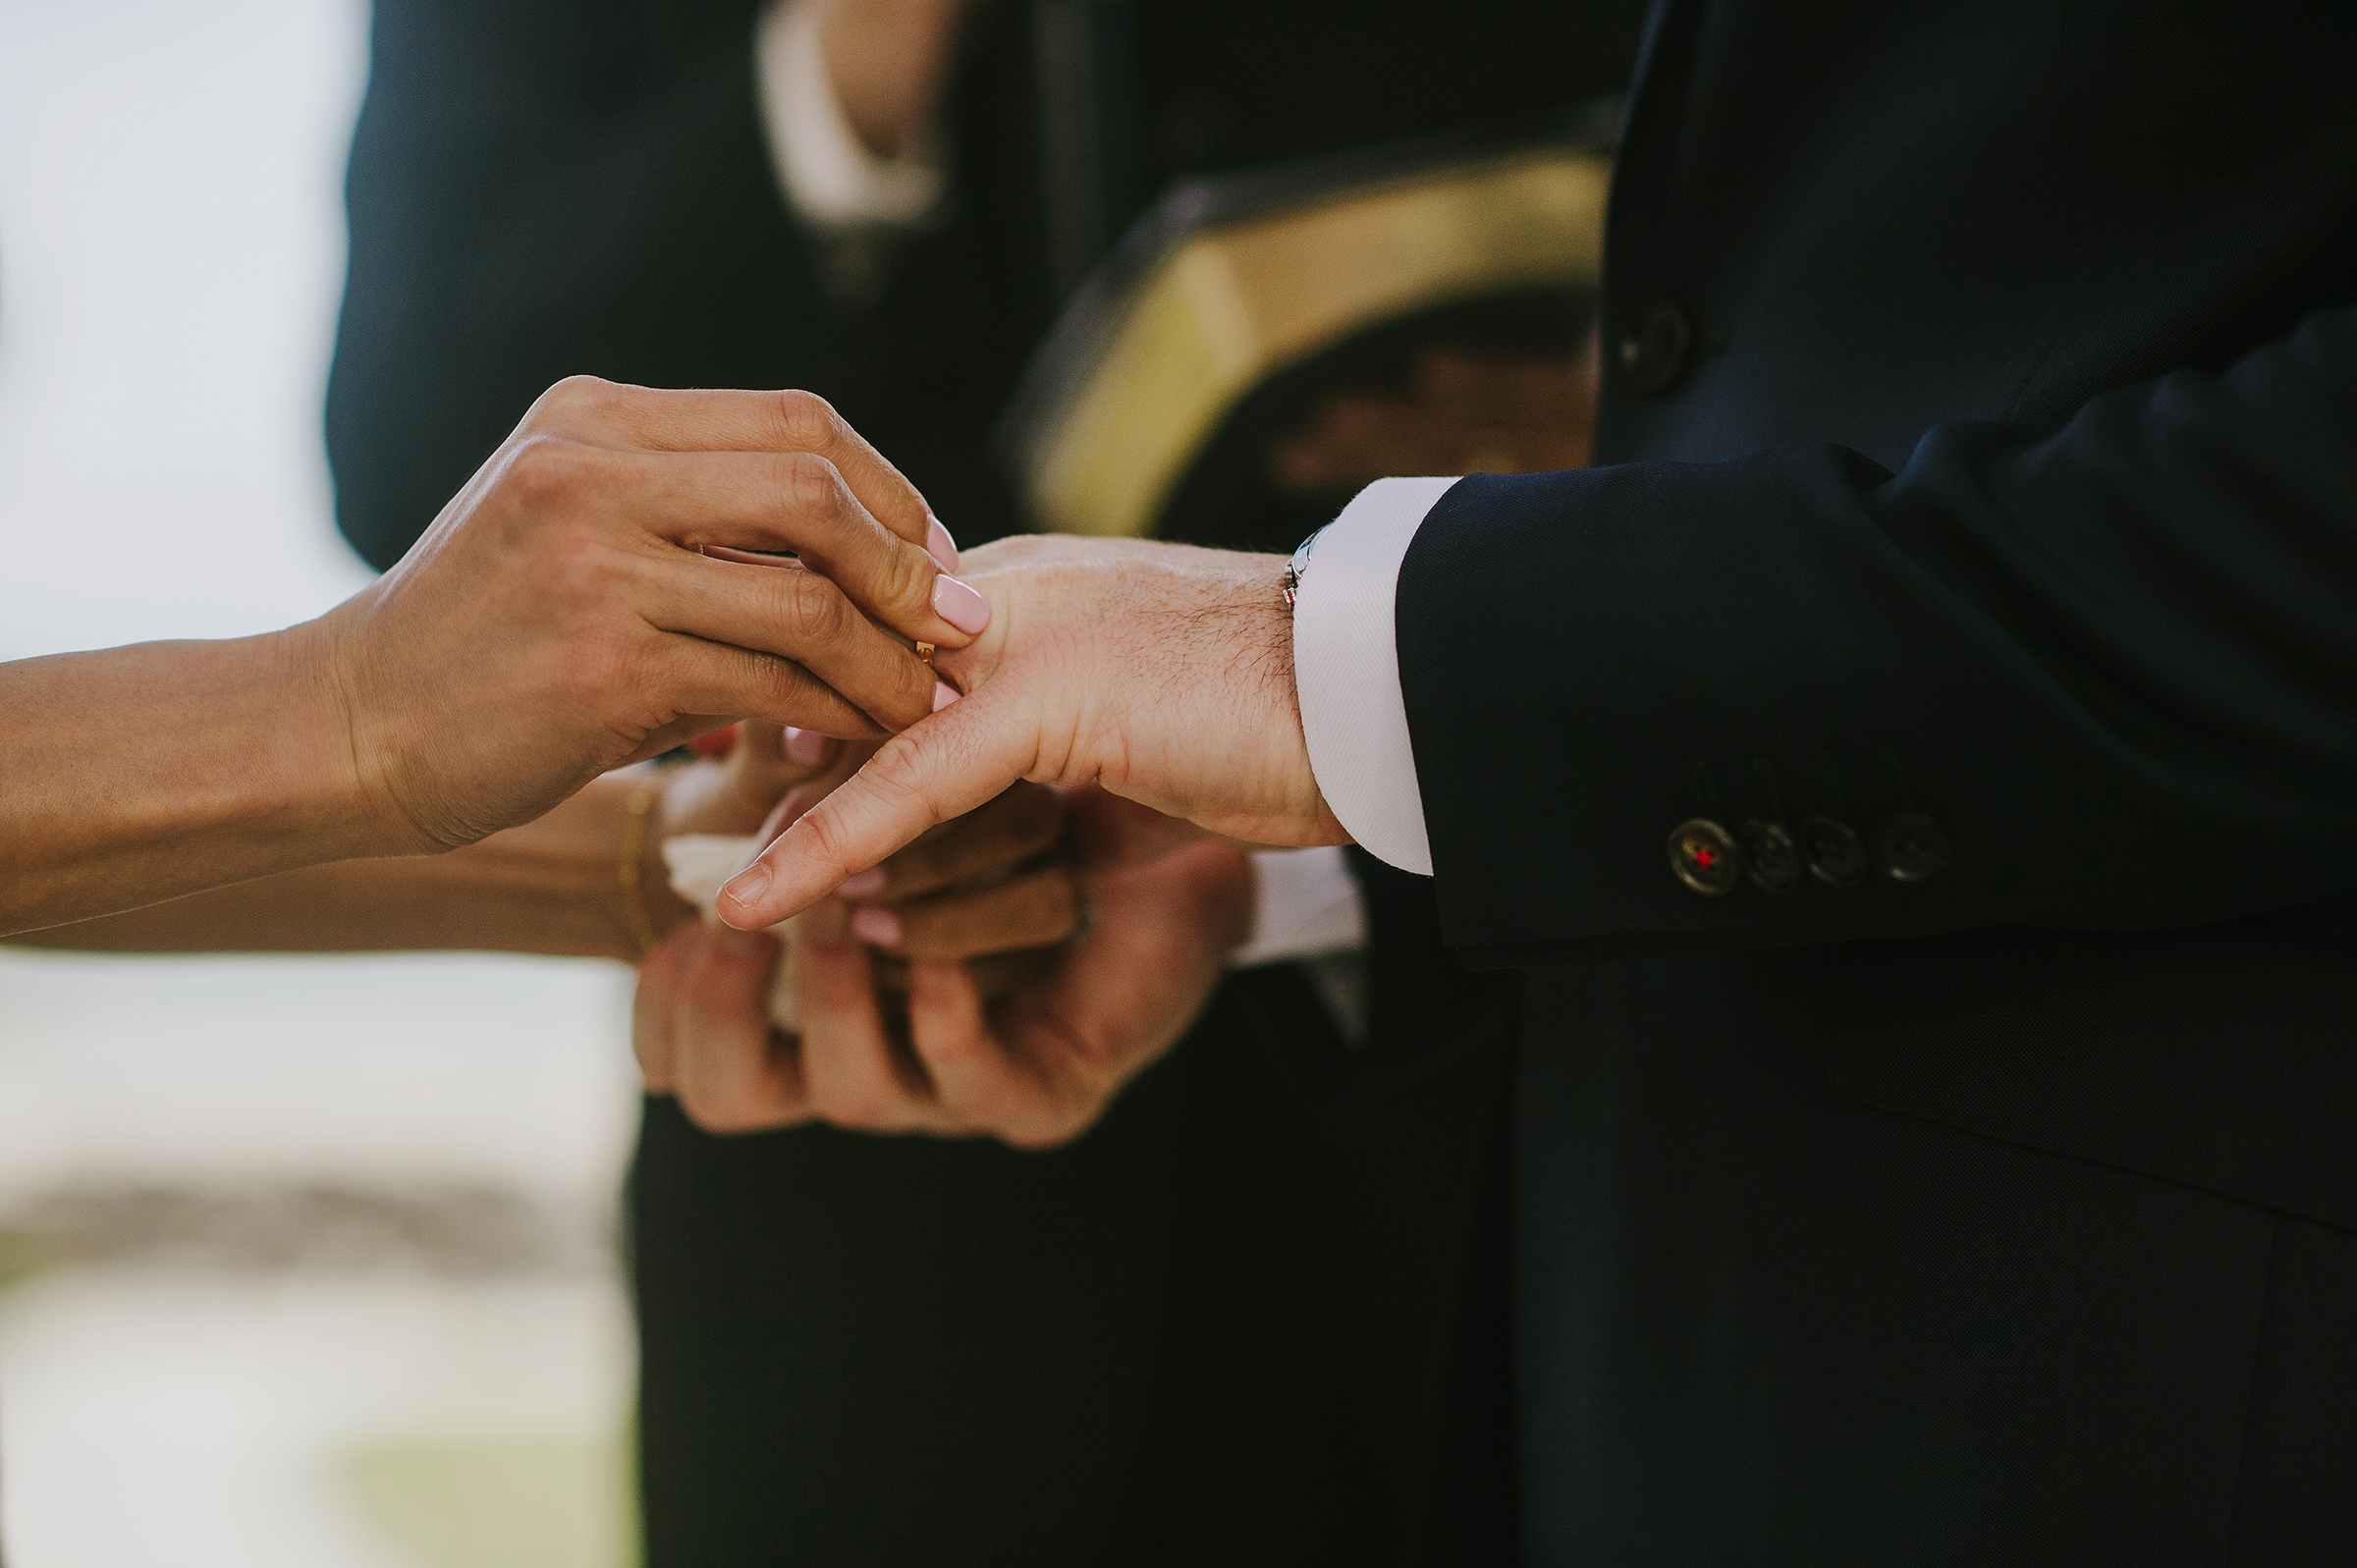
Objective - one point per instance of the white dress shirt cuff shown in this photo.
(829, 177)
(1346, 668)
(1305, 904)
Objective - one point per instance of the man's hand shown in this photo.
(588, 600)
(1161, 672)
(1035, 1067)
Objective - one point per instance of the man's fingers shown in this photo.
(855, 1077)
(1018, 824)
(610, 413)
(726, 1070)
(1035, 910)
(944, 768)
(651, 1005)
(978, 1083)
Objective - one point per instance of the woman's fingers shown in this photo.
(1037, 910)
(586, 408)
(802, 617)
(728, 1067)
(1021, 822)
(702, 676)
(723, 506)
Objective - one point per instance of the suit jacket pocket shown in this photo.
(2224, 1058)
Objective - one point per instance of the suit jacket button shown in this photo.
(1653, 348)
(1835, 856)
(1771, 856)
(1706, 857)
(1910, 846)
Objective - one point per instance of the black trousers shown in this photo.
(1215, 1329)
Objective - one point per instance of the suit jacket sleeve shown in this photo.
(2116, 662)
(538, 190)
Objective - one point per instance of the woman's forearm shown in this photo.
(552, 886)
(136, 774)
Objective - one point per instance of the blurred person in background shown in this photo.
(1205, 1330)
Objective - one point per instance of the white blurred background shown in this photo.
(303, 1261)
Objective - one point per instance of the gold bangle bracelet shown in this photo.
(632, 869)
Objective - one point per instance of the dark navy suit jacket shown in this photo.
(1979, 442)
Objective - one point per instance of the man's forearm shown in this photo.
(550, 886)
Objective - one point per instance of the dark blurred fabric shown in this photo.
(541, 188)
(1219, 1328)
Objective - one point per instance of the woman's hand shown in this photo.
(588, 601)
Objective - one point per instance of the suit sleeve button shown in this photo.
(1653, 348)
(1706, 857)
(1771, 856)
(1835, 856)
(1910, 846)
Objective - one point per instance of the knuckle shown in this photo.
(602, 665)
(811, 487)
(814, 611)
(578, 571)
(576, 399)
(824, 841)
(777, 685)
(907, 576)
(547, 473)
(900, 776)
(807, 420)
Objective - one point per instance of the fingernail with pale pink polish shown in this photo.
(877, 925)
(806, 746)
(749, 883)
(960, 605)
(944, 694)
(939, 545)
(861, 884)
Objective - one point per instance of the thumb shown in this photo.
(940, 768)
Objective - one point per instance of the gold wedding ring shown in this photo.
(924, 654)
